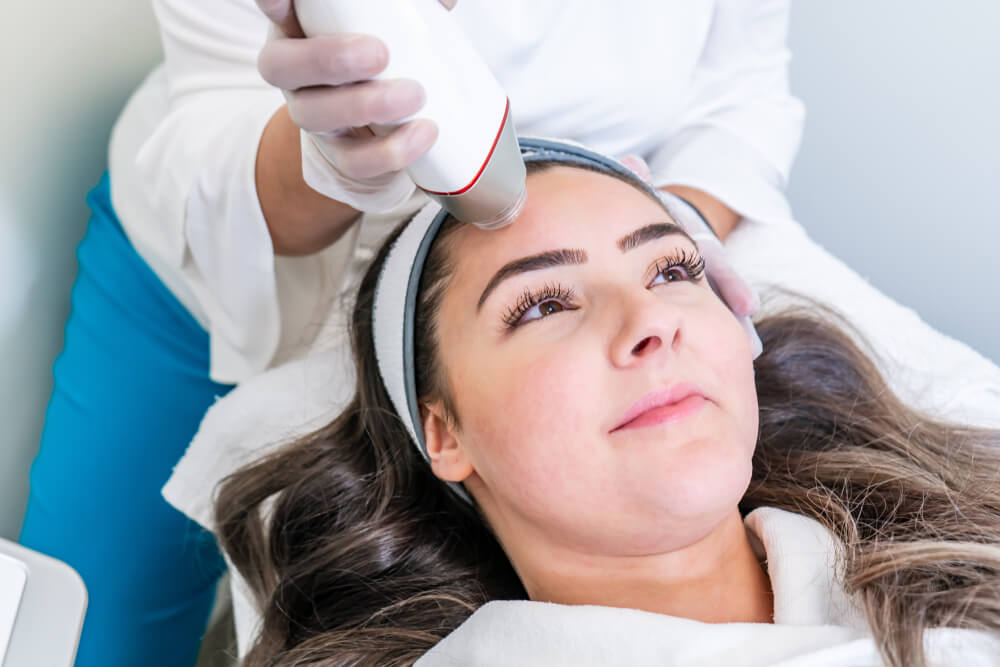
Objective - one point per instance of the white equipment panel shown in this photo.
(42, 604)
(13, 575)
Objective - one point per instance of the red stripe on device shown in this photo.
(496, 140)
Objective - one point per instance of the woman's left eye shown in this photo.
(681, 267)
(543, 309)
(670, 275)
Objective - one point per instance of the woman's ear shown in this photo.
(448, 460)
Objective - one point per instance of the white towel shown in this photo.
(816, 624)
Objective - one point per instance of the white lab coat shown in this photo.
(816, 624)
(698, 88)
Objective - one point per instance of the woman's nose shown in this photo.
(646, 329)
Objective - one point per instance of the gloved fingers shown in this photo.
(325, 60)
(687, 217)
(734, 291)
(364, 158)
(639, 166)
(327, 81)
(282, 14)
(741, 298)
(756, 346)
(373, 195)
(327, 109)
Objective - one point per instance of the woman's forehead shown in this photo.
(582, 194)
(565, 207)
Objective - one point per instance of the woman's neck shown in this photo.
(716, 580)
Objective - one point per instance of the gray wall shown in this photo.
(900, 164)
(65, 72)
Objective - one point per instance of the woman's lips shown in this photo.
(669, 405)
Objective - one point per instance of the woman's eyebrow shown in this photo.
(542, 260)
(551, 258)
(649, 233)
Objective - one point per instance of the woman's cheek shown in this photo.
(540, 408)
(735, 373)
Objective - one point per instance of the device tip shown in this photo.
(506, 216)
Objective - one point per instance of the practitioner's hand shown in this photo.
(326, 82)
(735, 292)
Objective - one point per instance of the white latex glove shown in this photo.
(734, 291)
(326, 82)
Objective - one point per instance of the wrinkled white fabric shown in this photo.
(697, 88)
(816, 624)
(378, 195)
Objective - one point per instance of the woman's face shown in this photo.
(549, 356)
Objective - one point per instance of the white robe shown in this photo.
(815, 623)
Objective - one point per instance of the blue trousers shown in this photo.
(131, 386)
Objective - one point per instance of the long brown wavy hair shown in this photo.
(358, 556)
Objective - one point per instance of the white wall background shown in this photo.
(899, 171)
(897, 174)
(65, 71)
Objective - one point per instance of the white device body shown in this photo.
(474, 168)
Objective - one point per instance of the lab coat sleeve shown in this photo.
(197, 170)
(741, 126)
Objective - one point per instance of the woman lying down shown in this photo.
(562, 452)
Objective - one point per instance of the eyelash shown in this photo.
(529, 299)
(693, 264)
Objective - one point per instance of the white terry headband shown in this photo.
(394, 309)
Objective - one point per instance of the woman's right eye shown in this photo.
(543, 309)
(533, 306)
